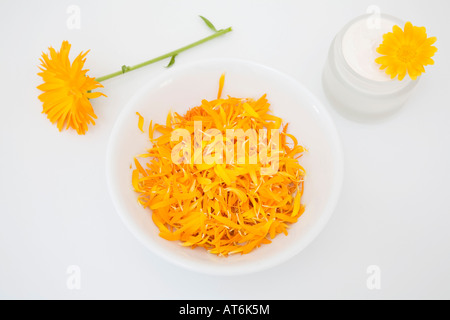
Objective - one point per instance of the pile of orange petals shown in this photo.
(225, 208)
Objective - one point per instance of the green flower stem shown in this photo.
(126, 69)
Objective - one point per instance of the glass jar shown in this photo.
(352, 79)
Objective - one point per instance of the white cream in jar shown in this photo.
(353, 80)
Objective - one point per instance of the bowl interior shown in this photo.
(182, 88)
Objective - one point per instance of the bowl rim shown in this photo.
(250, 267)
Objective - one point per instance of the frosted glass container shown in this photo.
(353, 80)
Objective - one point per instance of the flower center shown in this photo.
(406, 53)
(73, 89)
(75, 92)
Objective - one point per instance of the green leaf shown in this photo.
(125, 68)
(209, 24)
(172, 61)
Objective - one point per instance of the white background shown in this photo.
(55, 210)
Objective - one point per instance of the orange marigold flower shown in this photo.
(67, 89)
(406, 51)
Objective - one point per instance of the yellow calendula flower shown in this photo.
(67, 89)
(406, 51)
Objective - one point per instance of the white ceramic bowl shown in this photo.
(183, 87)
